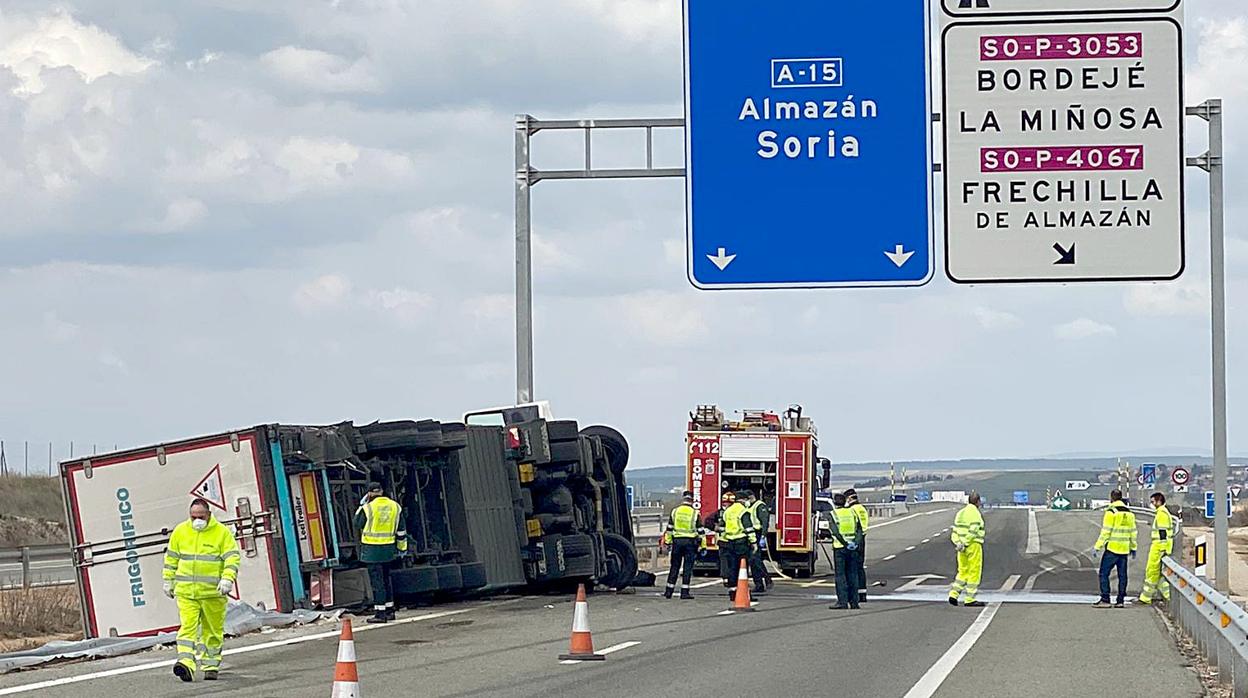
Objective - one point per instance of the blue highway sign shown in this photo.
(1210, 510)
(1022, 497)
(808, 135)
(1149, 471)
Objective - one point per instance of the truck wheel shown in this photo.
(614, 443)
(578, 545)
(621, 561)
(413, 581)
(449, 578)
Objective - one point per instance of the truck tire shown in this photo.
(413, 581)
(562, 430)
(621, 561)
(449, 578)
(578, 545)
(615, 445)
(474, 575)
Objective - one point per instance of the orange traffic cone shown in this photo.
(346, 679)
(741, 599)
(582, 643)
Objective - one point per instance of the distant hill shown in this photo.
(665, 477)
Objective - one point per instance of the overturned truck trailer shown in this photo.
(539, 505)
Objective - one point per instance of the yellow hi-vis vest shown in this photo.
(733, 529)
(683, 523)
(861, 512)
(968, 526)
(1163, 529)
(1117, 530)
(381, 522)
(196, 561)
(846, 523)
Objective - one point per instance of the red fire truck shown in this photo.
(772, 455)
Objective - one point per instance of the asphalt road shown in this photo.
(899, 644)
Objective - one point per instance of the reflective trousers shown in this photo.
(1154, 585)
(382, 584)
(970, 569)
(202, 632)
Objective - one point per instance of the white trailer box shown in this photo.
(122, 507)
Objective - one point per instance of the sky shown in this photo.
(220, 214)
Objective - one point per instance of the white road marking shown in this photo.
(703, 585)
(606, 650)
(166, 663)
(890, 522)
(936, 675)
(927, 540)
(890, 557)
(1010, 582)
(910, 548)
(816, 583)
(1033, 533)
(1031, 581)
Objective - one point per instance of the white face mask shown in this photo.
(199, 524)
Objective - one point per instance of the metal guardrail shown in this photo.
(1217, 625)
(28, 554)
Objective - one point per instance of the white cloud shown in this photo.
(321, 71)
(405, 305)
(28, 48)
(181, 213)
(58, 329)
(1083, 328)
(317, 163)
(328, 291)
(1167, 299)
(991, 319)
(665, 319)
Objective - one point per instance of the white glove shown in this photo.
(960, 547)
(167, 587)
(224, 587)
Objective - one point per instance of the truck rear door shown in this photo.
(123, 507)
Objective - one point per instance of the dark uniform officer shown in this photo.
(846, 539)
(685, 538)
(715, 522)
(736, 541)
(851, 499)
(762, 519)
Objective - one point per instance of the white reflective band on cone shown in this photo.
(346, 689)
(346, 651)
(580, 618)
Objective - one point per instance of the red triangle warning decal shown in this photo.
(211, 489)
(234, 593)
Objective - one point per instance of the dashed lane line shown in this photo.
(890, 557)
(1010, 582)
(911, 548)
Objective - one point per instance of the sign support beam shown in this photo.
(527, 177)
(1211, 162)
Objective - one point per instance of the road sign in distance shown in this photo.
(808, 135)
(1063, 153)
(1180, 476)
(1078, 485)
(1003, 8)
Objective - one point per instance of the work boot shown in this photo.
(732, 594)
(667, 593)
(210, 674)
(1120, 605)
(685, 595)
(770, 582)
(854, 607)
(953, 601)
(838, 607)
(974, 604)
(390, 614)
(760, 589)
(183, 672)
(1102, 603)
(380, 617)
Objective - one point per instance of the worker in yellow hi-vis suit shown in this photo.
(1163, 543)
(968, 538)
(201, 566)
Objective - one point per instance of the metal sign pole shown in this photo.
(524, 263)
(1211, 162)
